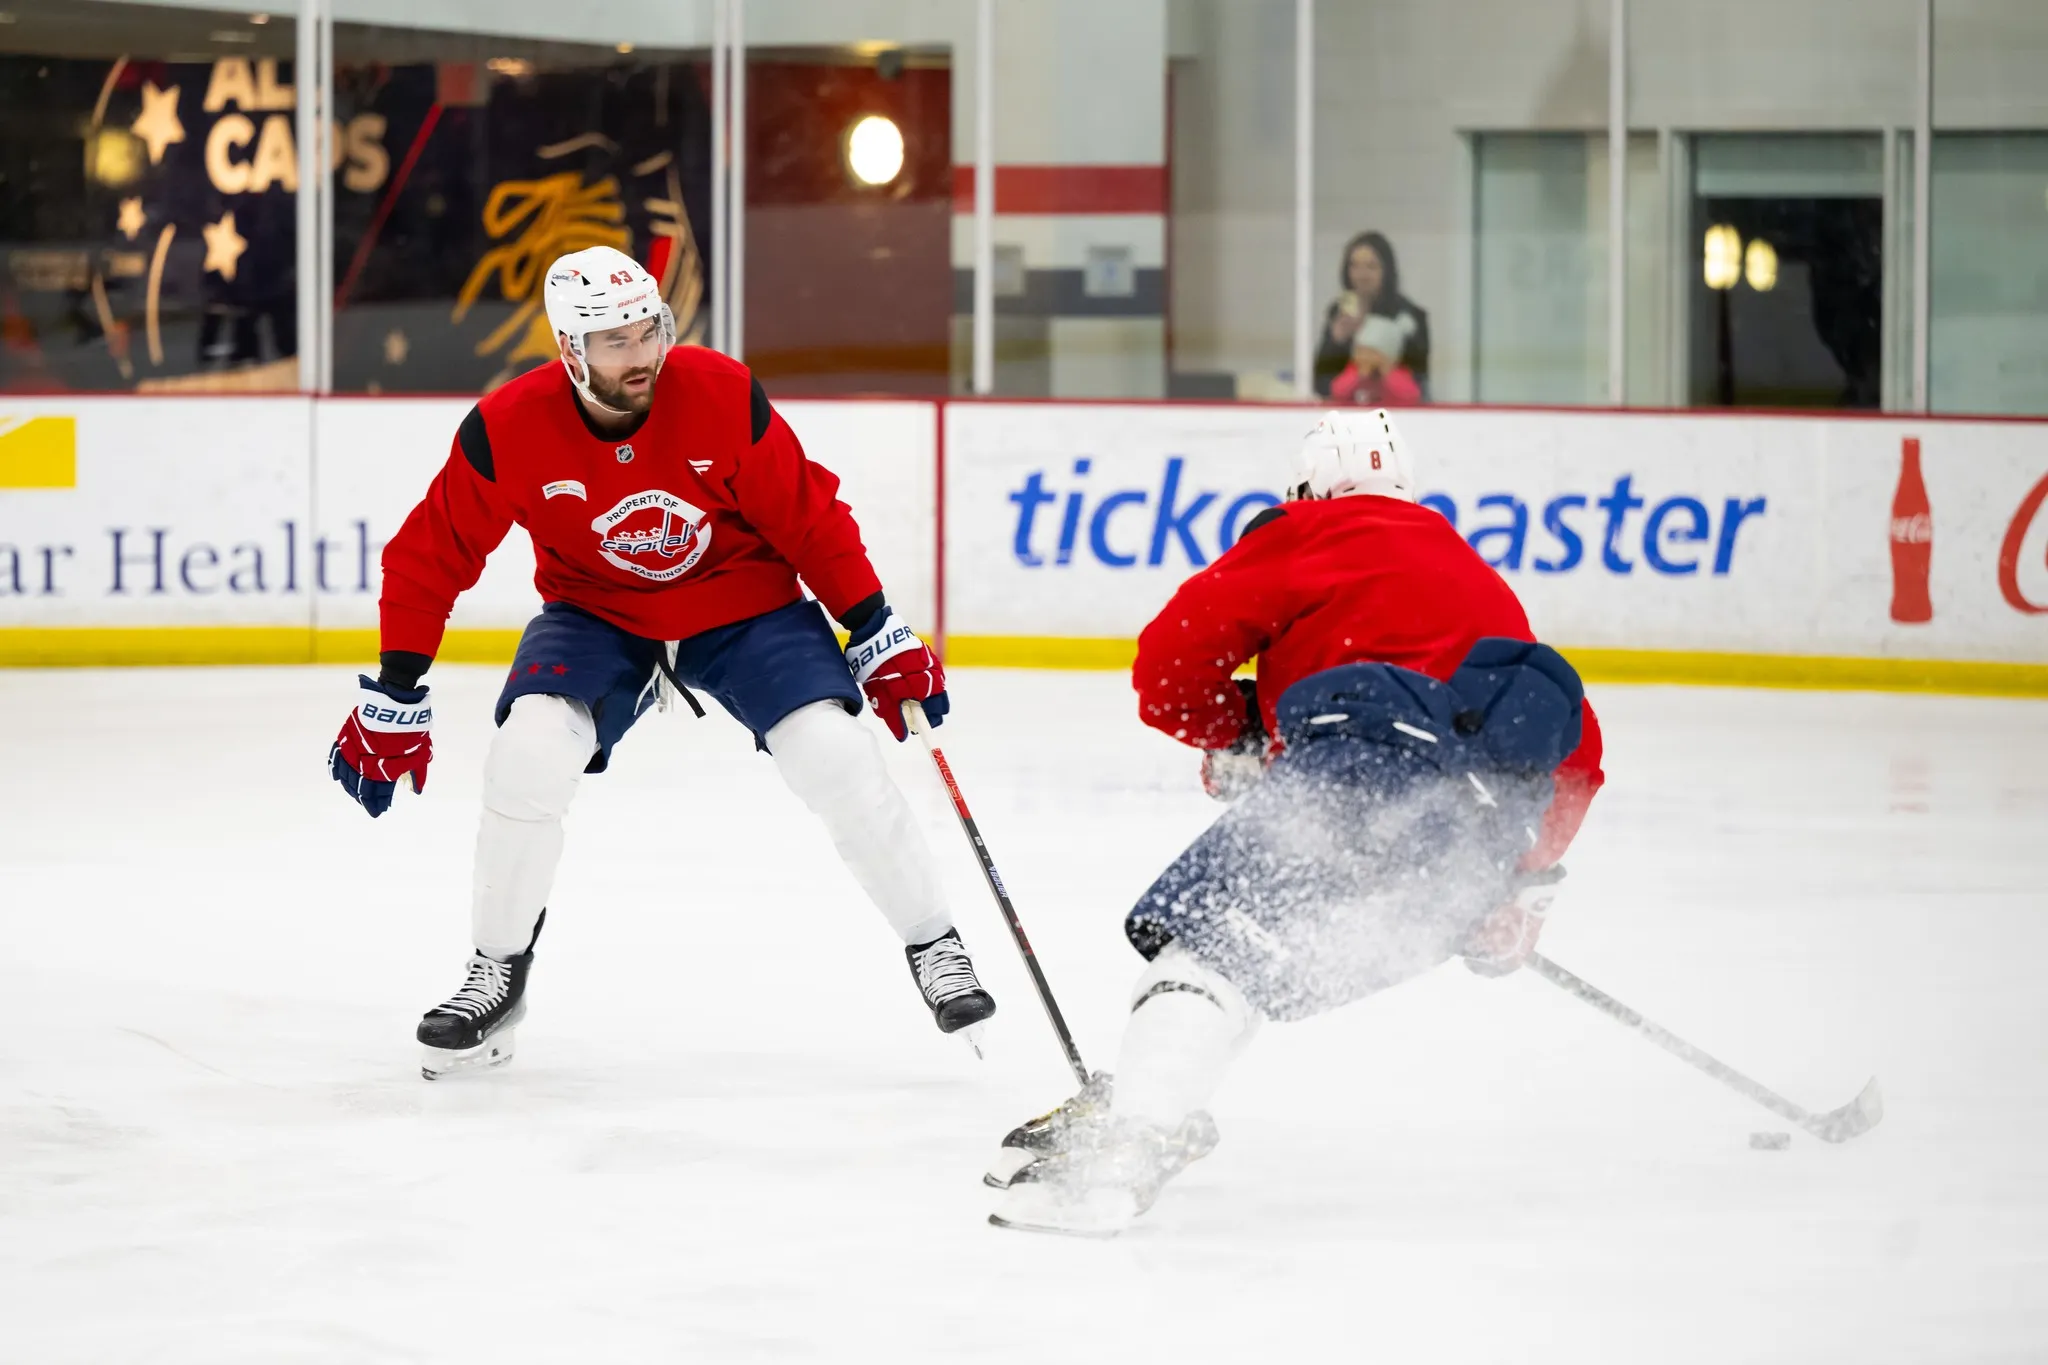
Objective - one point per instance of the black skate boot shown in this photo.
(472, 1029)
(945, 974)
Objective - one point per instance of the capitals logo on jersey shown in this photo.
(653, 534)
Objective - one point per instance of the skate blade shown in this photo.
(996, 1220)
(1004, 1168)
(972, 1035)
(1101, 1212)
(440, 1063)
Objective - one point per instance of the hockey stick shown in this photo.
(1853, 1119)
(913, 716)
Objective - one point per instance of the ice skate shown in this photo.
(1047, 1134)
(945, 975)
(1051, 1133)
(473, 1029)
(1110, 1171)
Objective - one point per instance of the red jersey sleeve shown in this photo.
(1576, 780)
(1220, 618)
(439, 553)
(795, 506)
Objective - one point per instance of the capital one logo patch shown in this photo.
(654, 534)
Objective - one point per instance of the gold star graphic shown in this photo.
(396, 347)
(158, 125)
(224, 245)
(129, 222)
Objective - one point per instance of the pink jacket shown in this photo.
(1394, 389)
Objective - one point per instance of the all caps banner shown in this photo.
(1645, 532)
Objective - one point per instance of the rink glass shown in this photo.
(1756, 242)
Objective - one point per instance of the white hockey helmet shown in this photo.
(594, 290)
(1351, 453)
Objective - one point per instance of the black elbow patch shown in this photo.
(476, 445)
(1265, 518)
(762, 412)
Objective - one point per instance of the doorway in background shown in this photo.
(1787, 271)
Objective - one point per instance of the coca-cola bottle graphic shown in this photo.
(1912, 542)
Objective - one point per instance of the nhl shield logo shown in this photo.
(654, 534)
(625, 454)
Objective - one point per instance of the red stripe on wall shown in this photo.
(1068, 189)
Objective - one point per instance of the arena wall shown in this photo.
(1654, 546)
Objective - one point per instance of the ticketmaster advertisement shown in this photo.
(1649, 532)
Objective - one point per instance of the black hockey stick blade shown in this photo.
(1853, 1119)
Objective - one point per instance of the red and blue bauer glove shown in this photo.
(1499, 944)
(1231, 772)
(893, 666)
(383, 742)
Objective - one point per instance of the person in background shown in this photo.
(1371, 282)
(1375, 378)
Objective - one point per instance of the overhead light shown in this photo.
(1760, 266)
(874, 150)
(1723, 257)
(230, 35)
(624, 49)
(510, 66)
(116, 157)
(259, 19)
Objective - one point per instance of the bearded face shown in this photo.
(621, 363)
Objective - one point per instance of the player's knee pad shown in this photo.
(1178, 975)
(537, 757)
(828, 759)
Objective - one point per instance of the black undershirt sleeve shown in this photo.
(402, 669)
(863, 612)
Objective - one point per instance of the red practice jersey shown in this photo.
(703, 515)
(1315, 585)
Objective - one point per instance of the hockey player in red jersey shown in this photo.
(672, 512)
(1407, 771)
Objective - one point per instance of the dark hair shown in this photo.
(1390, 270)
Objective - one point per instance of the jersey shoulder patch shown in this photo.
(1265, 518)
(761, 412)
(475, 440)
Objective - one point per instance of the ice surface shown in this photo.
(731, 1133)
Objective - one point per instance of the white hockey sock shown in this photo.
(536, 760)
(832, 763)
(1187, 1025)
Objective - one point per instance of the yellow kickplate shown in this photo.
(38, 452)
(1969, 677)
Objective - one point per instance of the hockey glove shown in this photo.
(1230, 772)
(893, 666)
(1500, 943)
(383, 742)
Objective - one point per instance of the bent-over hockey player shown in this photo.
(671, 511)
(1407, 771)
